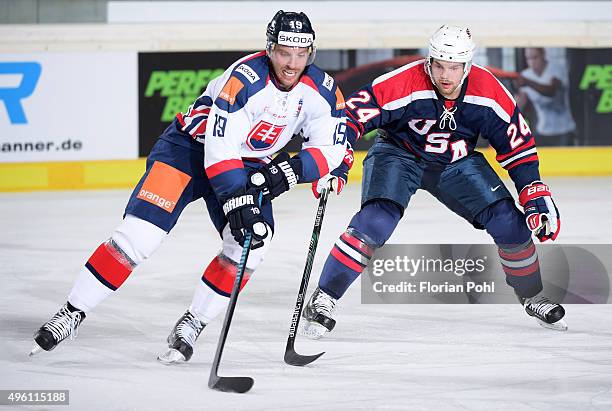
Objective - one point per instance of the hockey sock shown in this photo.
(522, 268)
(376, 221)
(517, 253)
(133, 241)
(221, 273)
(505, 223)
(213, 292)
(369, 229)
(104, 272)
(349, 257)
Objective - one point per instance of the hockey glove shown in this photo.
(541, 212)
(243, 214)
(278, 176)
(338, 176)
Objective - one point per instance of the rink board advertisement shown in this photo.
(578, 111)
(472, 274)
(68, 106)
(168, 83)
(591, 94)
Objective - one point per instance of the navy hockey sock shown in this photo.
(517, 253)
(369, 229)
(505, 223)
(522, 269)
(377, 220)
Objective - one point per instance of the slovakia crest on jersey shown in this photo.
(264, 135)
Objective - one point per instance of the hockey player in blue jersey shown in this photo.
(220, 151)
(430, 114)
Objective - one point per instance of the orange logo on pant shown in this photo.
(163, 186)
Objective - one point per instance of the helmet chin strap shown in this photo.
(466, 71)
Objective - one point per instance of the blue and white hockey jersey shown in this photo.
(243, 115)
(405, 104)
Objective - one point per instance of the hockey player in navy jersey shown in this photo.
(430, 114)
(220, 150)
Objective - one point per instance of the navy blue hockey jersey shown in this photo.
(405, 104)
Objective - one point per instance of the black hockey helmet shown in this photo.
(291, 29)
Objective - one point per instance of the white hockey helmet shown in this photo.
(451, 43)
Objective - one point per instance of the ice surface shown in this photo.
(478, 357)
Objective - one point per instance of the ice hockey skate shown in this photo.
(63, 324)
(182, 339)
(547, 313)
(318, 315)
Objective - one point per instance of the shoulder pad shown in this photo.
(401, 86)
(485, 89)
(248, 76)
(326, 86)
(253, 68)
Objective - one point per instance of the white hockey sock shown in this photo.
(112, 262)
(87, 291)
(207, 304)
(212, 293)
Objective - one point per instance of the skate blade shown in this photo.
(35, 350)
(560, 325)
(311, 330)
(171, 356)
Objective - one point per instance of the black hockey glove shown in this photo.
(278, 176)
(541, 211)
(243, 214)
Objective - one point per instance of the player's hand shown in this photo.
(244, 215)
(278, 176)
(541, 212)
(338, 177)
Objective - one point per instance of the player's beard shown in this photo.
(447, 92)
(287, 83)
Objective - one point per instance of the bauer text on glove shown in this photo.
(541, 212)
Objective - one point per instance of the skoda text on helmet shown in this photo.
(454, 44)
(291, 29)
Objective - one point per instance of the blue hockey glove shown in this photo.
(541, 212)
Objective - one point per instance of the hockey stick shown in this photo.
(292, 357)
(215, 381)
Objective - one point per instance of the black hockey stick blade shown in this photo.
(239, 385)
(292, 357)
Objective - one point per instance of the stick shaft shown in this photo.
(312, 249)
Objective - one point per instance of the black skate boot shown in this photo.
(182, 339)
(318, 315)
(548, 314)
(65, 323)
